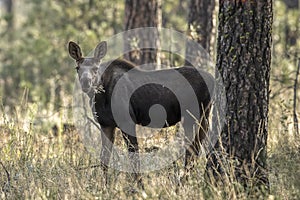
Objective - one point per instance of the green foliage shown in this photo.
(34, 52)
(175, 14)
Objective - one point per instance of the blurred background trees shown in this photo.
(34, 36)
(200, 26)
(142, 13)
(33, 45)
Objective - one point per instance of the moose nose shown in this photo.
(86, 84)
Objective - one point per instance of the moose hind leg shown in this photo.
(107, 137)
(195, 139)
(203, 130)
(190, 136)
(133, 151)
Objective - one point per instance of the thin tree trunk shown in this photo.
(142, 13)
(292, 4)
(296, 122)
(200, 24)
(9, 5)
(243, 65)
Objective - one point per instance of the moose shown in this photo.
(158, 98)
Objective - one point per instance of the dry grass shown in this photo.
(37, 165)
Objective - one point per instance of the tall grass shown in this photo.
(35, 164)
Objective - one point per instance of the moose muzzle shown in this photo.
(86, 82)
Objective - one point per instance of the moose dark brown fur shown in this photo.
(143, 98)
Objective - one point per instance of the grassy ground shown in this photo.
(35, 164)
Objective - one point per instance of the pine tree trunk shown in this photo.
(200, 21)
(142, 13)
(243, 64)
(9, 4)
(292, 4)
(200, 24)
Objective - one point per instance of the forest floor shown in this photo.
(36, 164)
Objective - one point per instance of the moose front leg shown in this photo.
(133, 153)
(107, 137)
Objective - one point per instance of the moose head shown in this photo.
(87, 67)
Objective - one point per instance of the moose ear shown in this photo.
(75, 51)
(100, 50)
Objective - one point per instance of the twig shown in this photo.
(295, 99)
(90, 167)
(94, 122)
(7, 174)
(280, 91)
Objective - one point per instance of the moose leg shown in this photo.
(203, 129)
(133, 151)
(195, 141)
(107, 137)
(189, 144)
(189, 149)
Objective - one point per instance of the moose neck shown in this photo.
(115, 70)
(121, 64)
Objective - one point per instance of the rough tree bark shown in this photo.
(142, 13)
(243, 64)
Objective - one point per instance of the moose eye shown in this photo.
(77, 68)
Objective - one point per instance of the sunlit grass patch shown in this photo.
(36, 163)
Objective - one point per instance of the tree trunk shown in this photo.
(243, 64)
(292, 4)
(142, 13)
(200, 24)
(200, 21)
(8, 4)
